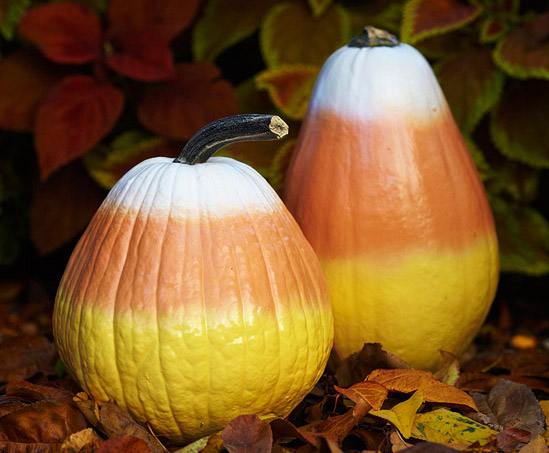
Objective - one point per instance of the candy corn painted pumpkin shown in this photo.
(384, 188)
(193, 296)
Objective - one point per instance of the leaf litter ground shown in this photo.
(496, 398)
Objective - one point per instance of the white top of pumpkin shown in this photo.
(221, 186)
(373, 82)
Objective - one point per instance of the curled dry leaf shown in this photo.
(32, 392)
(407, 381)
(86, 440)
(23, 356)
(512, 438)
(448, 373)
(248, 433)
(372, 357)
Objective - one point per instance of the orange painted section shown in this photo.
(159, 262)
(385, 186)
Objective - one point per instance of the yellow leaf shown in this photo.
(365, 392)
(289, 87)
(448, 373)
(538, 445)
(545, 408)
(446, 427)
(291, 35)
(402, 415)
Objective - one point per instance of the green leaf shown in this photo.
(424, 18)
(279, 165)
(10, 13)
(519, 124)
(446, 427)
(523, 235)
(524, 52)
(378, 13)
(291, 35)
(472, 85)
(515, 180)
(289, 87)
(226, 22)
(252, 99)
(482, 165)
(106, 165)
(402, 415)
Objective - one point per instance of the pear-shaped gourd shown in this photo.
(193, 296)
(384, 188)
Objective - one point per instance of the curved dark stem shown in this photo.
(374, 37)
(229, 130)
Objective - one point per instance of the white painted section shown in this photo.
(378, 81)
(219, 187)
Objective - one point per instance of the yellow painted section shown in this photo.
(415, 303)
(189, 379)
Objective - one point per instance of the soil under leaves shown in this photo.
(496, 398)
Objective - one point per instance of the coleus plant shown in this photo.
(113, 61)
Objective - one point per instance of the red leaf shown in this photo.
(62, 206)
(65, 32)
(141, 55)
(180, 107)
(72, 118)
(25, 78)
(128, 444)
(248, 433)
(423, 18)
(169, 17)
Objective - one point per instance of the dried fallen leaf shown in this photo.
(370, 393)
(476, 381)
(448, 372)
(538, 445)
(397, 442)
(407, 381)
(248, 433)
(512, 438)
(403, 414)
(127, 444)
(86, 440)
(23, 356)
(513, 405)
(429, 447)
(446, 427)
(31, 392)
(357, 366)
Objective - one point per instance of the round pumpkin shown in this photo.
(384, 188)
(193, 296)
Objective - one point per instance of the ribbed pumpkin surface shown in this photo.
(193, 297)
(385, 190)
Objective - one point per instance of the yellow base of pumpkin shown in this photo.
(188, 379)
(414, 304)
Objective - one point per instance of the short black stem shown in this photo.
(374, 37)
(231, 129)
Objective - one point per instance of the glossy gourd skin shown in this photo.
(384, 188)
(193, 297)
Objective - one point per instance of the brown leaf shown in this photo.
(357, 366)
(524, 52)
(62, 207)
(247, 433)
(339, 427)
(84, 441)
(9, 406)
(538, 445)
(534, 363)
(512, 438)
(476, 381)
(44, 421)
(283, 429)
(31, 392)
(127, 444)
(409, 380)
(424, 18)
(512, 405)
(195, 97)
(23, 356)
(397, 442)
(429, 447)
(370, 393)
(115, 422)
(24, 80)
